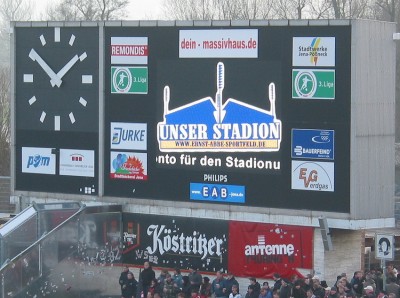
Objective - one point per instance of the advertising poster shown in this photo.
(175, 242)
(260, 250)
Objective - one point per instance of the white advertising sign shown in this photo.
(131, 136)
(129, 50)
(226, 43)
(77, 162)
(384, 247)
(314, 51)
(313, 176)
(38, 161)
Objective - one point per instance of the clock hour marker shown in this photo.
(57, 34)
(87, 79)
(83, 56)
(71, 40)
(28, 78)
(43, 116)
(72, 117)
(32, 100)
(83, 101)
(56, 122)
(42, 40)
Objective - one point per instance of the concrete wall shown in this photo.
(347, 255)
(372, 119)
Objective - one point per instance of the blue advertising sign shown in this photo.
(313, 143)
(217, 193)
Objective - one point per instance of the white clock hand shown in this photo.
(35, 57)
(67, 67)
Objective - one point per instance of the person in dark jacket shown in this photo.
(146, 276)
(186, 286)
(298, 290)
(154, 288)
(256, 284)
(277, 281)
(129, 288)
(229, 282)
(357, 283)
(123, 277)
(251, 292)
(205, 288)
(195, 279)
(286, 289)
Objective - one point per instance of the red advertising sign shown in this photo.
(260, 250)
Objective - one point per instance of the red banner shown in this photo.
(260, 250)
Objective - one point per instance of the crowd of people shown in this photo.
(370, 284)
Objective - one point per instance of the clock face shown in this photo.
(57, 79)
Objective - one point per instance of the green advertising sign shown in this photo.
(129, 80)
(313, 84)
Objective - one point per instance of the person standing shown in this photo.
(357, 283)
(146, 276)
(393, 287)
(205, 288)
(123, 277)
(277, 281)
(195, 279)
(256, 284)
(129, 288)
(218, 285)
(229, 282)
(177, 278)
(286, 289)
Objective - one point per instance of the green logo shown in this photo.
(313, 84)
(129, 80)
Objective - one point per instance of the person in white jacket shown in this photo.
(235, 292)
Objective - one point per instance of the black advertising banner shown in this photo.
(256, 116)
(56, 109)
(175, 242)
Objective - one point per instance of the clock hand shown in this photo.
(35, 57)
(67, 67)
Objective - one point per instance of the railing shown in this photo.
(52, 266)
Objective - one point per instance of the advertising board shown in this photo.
(245, 115)
(237, 115)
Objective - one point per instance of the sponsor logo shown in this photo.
(227, 43)
(211, 125)
(38, 161)
(77, 162)
(170, 241)
(129, 80)
(313, 176)
(264, 249)
(131, 236)
(217, 193)
(314, 84)
(314, 51)
(131, 136)
(313, 143)
(125, 165)
(129, 50)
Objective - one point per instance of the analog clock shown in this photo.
(56, 79)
